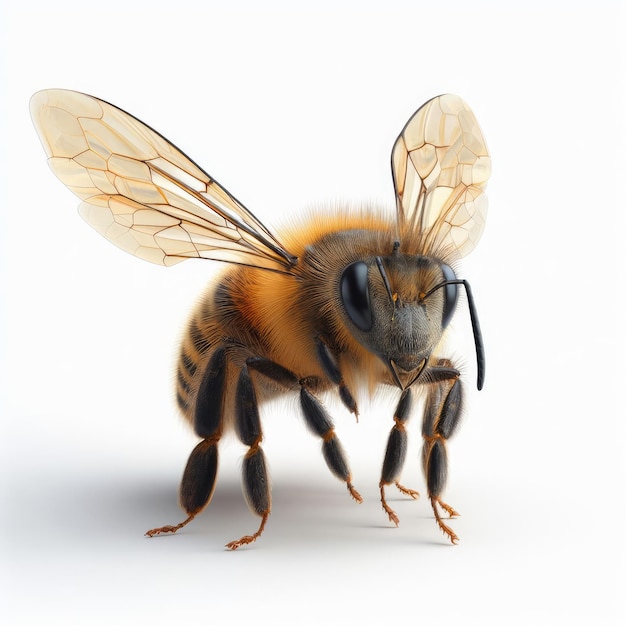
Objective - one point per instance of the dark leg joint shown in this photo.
(256, 483)
(316, 417)
(197, 484)
(247, 420)
(209, 404)
(451, 411)
(335, 459)
(331, 369)
(334, 456)
(279, 374)
(328, 362)
(436, 466)
(403, 410)
(437, 374)
(198, 480)
(394, 455)
(348, 401)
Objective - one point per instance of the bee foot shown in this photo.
(246, 539)
(406, 491)
(161, 531)
(444, 527)
(233, 545)
(449, 532)
(393, 518)
(354, 493)
(448, 509)
(169, 529)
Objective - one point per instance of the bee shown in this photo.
(344, 301)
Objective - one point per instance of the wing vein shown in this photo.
(131, 178)
(441, 146)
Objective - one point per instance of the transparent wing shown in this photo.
(141, 192)
(440, 167)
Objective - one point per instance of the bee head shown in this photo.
(398, 307)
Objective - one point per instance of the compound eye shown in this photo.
(450, 295)
(355, 295)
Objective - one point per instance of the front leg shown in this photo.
(395, 455)
(441, 417)
(331, 369)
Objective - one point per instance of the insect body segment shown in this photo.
(342, 303)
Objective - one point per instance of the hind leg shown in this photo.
(198, 482)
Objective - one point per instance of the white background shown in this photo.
(288, 109)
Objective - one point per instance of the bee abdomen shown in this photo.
(183, 387)
(185, 380)
(194, 353)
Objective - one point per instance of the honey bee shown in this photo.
(348, 300)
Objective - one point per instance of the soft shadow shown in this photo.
(116, 508)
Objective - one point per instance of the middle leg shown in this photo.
(315, 415)
(319, 421)
(255, 479)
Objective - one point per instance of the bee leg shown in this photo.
(198, 482)
(331, 369)
(319, 421)
(315, 415)
(255, 479)
(396, 454)
(441, 417)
